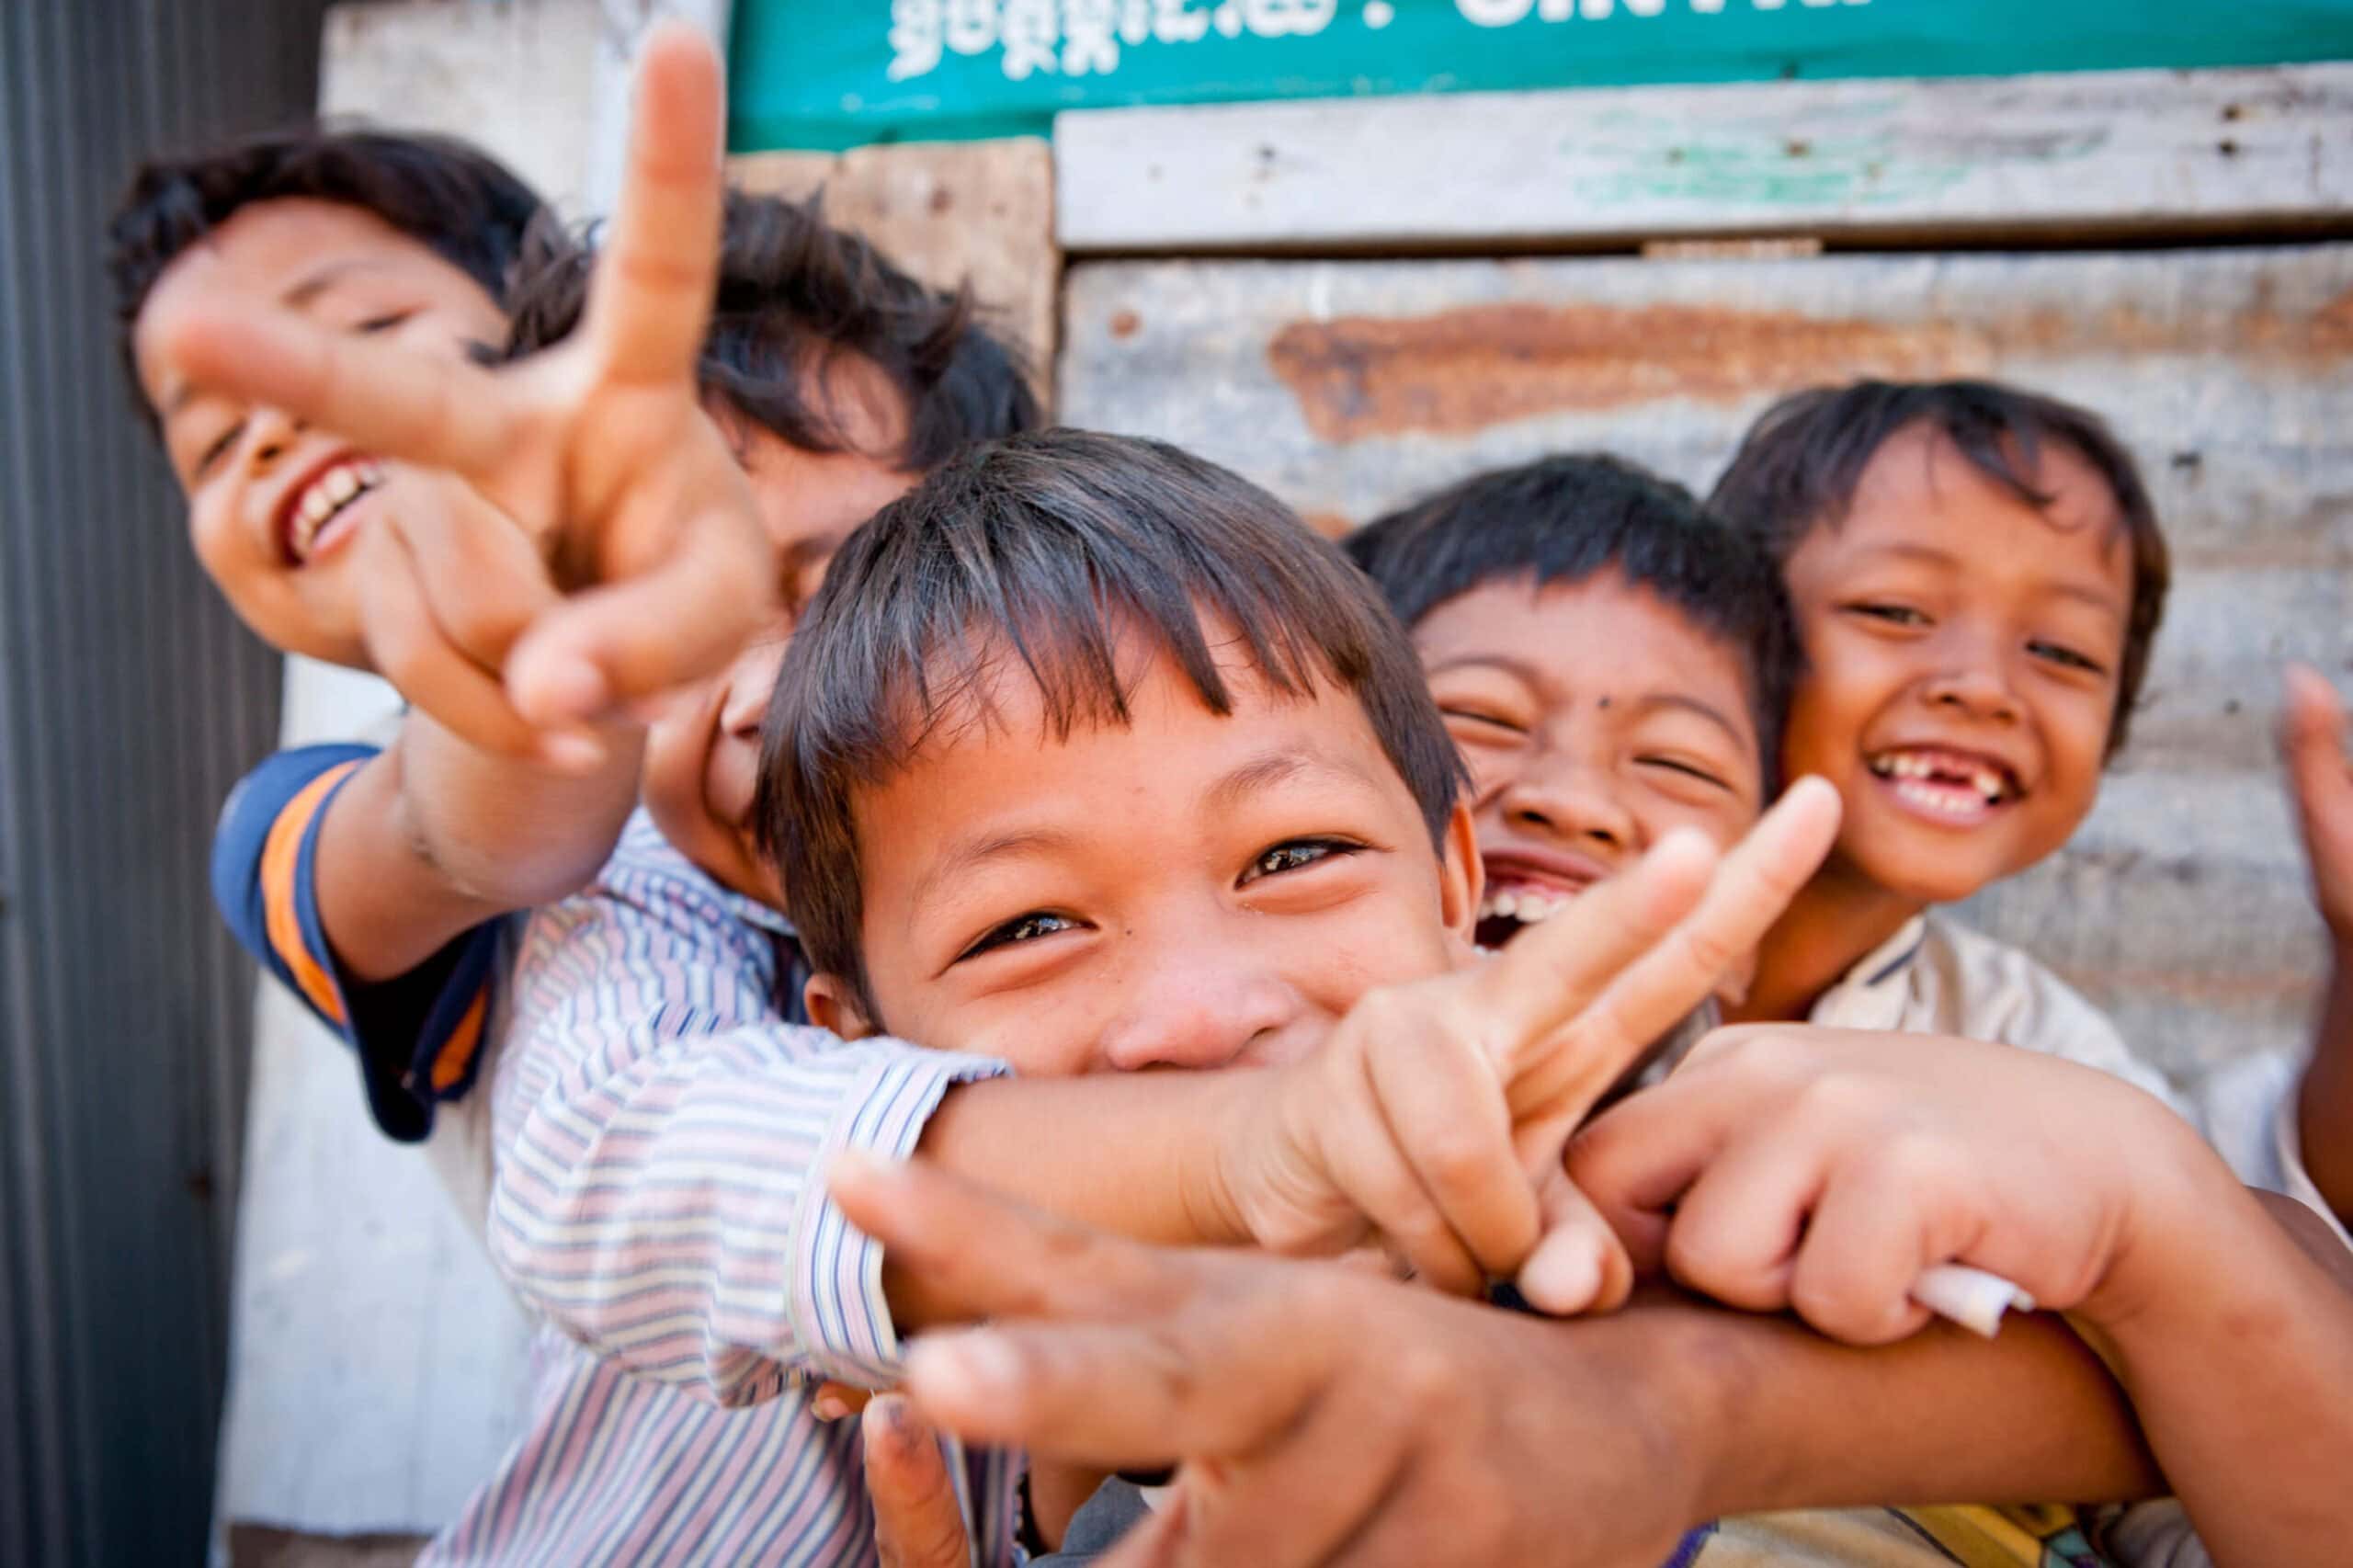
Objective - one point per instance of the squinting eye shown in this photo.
(2067, 657)
(1472, 716)
(1020, 928)
(1295, 854)
(219, 447)
(385, 323)
(1894, 615)
(1689, 770)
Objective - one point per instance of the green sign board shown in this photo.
(833, 74)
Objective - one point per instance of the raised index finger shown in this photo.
(649, 296)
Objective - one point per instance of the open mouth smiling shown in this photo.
(317, 514)
(1946, 785)
(1527, 889)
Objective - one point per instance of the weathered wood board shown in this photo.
(948, 213)
(2000, 155)
(1349, 386)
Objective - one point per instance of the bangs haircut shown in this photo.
(1799, 464)
(1576, 516)
(454, 199)
(798, 303)
(1052, 549)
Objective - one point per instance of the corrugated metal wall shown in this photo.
(128, 702)
(2181, 907)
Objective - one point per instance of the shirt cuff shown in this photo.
(839, 1318)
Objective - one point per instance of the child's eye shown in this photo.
(219, 447)
(385, 323)
(1296, 854)
(2061, 654)
(1686, 768)
(1477, 716)
(1894, 614)
(1026, 928)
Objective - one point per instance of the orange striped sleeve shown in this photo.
(450, 1061)
(281, 857)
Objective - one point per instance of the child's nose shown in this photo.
(1573, 805)
(1976, 682)
(271, 436)
(1190, 1015)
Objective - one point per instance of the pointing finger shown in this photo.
(650, 295)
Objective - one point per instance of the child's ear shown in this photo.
(1462, 877)
(832, 1007)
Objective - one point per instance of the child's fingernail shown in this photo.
(566, 688)
(830, 1407)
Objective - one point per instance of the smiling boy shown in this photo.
(1612, 661)
(1977, 575)
(411, 238)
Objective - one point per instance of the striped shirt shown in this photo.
(657, 1126)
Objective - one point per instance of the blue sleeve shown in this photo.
(418, 1036)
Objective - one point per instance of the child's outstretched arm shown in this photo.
(594, 544)
(2312, 745)
(600, 448)
(1325, 1415)
(1822, 1170)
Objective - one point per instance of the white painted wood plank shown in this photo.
(1348, 387)
(1983, 152)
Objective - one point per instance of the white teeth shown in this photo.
(328, 494)
(1534, 909)
(1989, 784)
(1504, 903)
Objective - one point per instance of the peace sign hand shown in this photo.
(598, 446)
(1436, 1113)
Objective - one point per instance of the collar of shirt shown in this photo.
(1870, 995)
(644, 849)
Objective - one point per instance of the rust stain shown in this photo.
(1126, 323)
(1460, 371)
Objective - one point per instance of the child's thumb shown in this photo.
(1579, 1265)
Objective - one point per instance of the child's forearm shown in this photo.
(1133, 1154)
(2235, 1337)
(2324, 1099)
(434, 837)
(1779, 1417)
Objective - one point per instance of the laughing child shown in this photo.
(1977, 575)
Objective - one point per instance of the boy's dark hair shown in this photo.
(457, 201)
(1578, 515)
(797, 298)
(1048, 547)
(1799, 465)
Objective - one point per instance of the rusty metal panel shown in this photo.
(1348, 386)
(129, 703)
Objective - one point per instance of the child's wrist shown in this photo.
(1225, 1163)
(2184, 1212)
